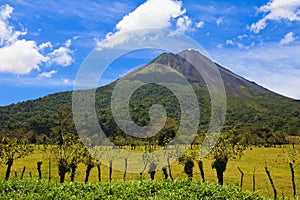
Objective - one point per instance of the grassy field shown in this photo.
(255, 157)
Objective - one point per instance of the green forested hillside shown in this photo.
(260, 115)
(261, 118)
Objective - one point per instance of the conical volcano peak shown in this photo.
(181, 57)
(189, 51)
(181, 62)
(194, 56)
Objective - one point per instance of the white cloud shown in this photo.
(76, 37)
(277, 10)
(229, 42)
(68, 43)
(62, 55)
(269, 65)
(258, 26)
(66, 81)
(7, 33)
(6, 11)
(46, 45)
(219, 21)
(151, 14)
(200, 24)
(240, 37)
(184, 24)
(288, 38)
(47, 74)
(21, 56)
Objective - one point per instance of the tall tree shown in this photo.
(77, 155)
(12, 149)
(89, 161)
(227, 147)
(68, 155)
(187, 160)
(69, 151)
(167, 134)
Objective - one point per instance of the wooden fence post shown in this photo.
(253, 180)
(23, 171)
(272, 183)
(293, 179)
(242, 177)
(39, 169)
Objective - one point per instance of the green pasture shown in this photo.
(276, 159)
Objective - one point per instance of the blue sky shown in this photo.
(43, 43)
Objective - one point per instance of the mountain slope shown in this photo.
(233, 82)
(261, 116)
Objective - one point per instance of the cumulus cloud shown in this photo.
(184, 24)
(5, 30)
(16, 56)
(288, 38)
(200, 24)
(47, 74)
(46, 45)
(277, 10)
(6, 11)
(21, 56)
(63, 55)
(151, 14)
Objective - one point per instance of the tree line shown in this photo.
(262, 119)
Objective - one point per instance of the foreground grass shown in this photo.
(134, 189)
